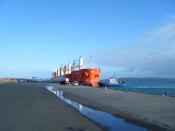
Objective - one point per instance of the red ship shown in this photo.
(79, 74)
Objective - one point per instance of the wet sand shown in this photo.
(154, 112)
(30, 107)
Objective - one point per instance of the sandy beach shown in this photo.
(154, 112)
(30, 107)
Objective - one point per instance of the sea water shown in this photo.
(156, 86)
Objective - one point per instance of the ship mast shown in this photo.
(90, 62)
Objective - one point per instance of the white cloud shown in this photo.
(154, 56)
(161, 35)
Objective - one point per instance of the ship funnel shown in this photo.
(81, 62)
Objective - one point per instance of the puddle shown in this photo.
(104, 119)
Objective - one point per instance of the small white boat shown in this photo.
(109, 82)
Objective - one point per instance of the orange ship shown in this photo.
(85, 76)
(79, 74)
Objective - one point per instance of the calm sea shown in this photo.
(157, 86)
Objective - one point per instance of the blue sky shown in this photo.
(132, 38)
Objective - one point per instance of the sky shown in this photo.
(131, 38)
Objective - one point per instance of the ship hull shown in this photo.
(85, 76)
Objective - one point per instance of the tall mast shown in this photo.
(90, 61)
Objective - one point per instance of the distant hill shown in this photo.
(7, 80)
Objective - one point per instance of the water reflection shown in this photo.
(104, 119)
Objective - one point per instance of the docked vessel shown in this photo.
(77, 73)
(112, 82)
(109, 82)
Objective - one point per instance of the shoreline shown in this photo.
(120, 114)
(134, 91)
(120, 111)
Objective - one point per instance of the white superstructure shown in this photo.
(81, 64)
(67, 69)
